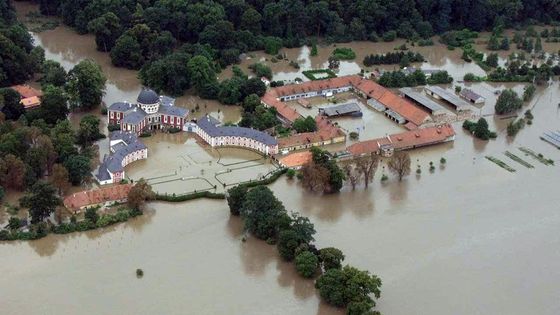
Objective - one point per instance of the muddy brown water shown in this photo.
(469, 238)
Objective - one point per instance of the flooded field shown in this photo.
(470, 238)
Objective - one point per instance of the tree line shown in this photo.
(391, 58)
(138, 33)
(265, 217)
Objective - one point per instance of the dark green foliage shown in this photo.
(440, 77)
(331, 258)
(514, 126)
(458, 38)
(492, 60)
(340, 287)
(89, 130)
(389, 36)
(261, 70)
(306, 264)
(397, 79)
(528, 92)
(187, 197)
(508, 102)
(344, 53)
(54, 105)
(262, 213)
(392, 58)
(41, 200)
(169, 74)
(479, 129)
(323, 159)
(235, 198)
(53, 74)
(86, 85)
(306, 124)
(10, 104)
(78, 167)
(91, 214)
(107, 29)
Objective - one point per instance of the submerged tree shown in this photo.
(400, 164)
(139, 194)
(42, 200)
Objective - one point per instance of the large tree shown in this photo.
(10, 104)
(235, 198)
(89, 130)
(262, 213)
(508, 102)
(399, 164)
(106, 28)
(60, 178)
(139, 194)
(54, 105)
(42, 200)
(367, 166)
(201, 72)
(86, 85)
(78, 167)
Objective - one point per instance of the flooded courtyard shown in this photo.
(469, 238)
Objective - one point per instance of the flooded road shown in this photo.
(469, 238)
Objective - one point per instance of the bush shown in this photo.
(514, 127)
(290, 173)
(174, 130)
(508, 102)
(440, 77)
(528, 92)
(354, 135)
(469, 77)
(310, 74)
(261, 70)
(344, 53)
(112, 128)
(191, 196)
(389, 36)
(306, 264)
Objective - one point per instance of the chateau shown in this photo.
(151, 112)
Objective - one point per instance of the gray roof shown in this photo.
(173, 111)
(121, 106)
(342, 109)
(449, 96)
(147, 96)
(113, 162)
(167, 101)
(212, 129)
(421, 99)
(135, 116)
(470, 94)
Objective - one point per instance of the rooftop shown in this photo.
(121, 106)
(26, 91)
(342, 109)
(147, 96)
(93, 197)
(470, 94)
(296, 159)
(135, 116)
(173, 111)
(325, 131)
(422, 100)
(449, 96)
(209, 125)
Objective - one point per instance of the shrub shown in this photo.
(112, 128)
(507, 102)
(174, 130)
(344, 53)
(306, 264)
(290, 173)
(354, 135)
(389, 36)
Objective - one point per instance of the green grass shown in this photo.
(500, 163)
(310, 74)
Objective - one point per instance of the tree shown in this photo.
(314, 51)
(340, 287)
(315, 177)
(492, 60)
(12, 172)
(508, 102)
(10, 104)
(331, 258)
(88, 131)
(504, 45)
(306, 124)
(201, 72)
(139, 194)
(306, 264)
(288, 242)
(60, 179)
(367, 165)
(262, 213)
(400, 164)
(261, 70)
(250, 103)
(2, 193)
(493, 43)
(127, 53)
(107, 29)
(169, 74)
(235, 198)
(253, 86)
(353, 174)
(272, 45)
(54, 105)
(78, 167)
(53, 74)
(91, 214)
(86, 85)
(41, 201)
(538, 45)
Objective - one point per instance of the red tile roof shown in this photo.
(96, 196)
(370, 88)
(26, 91)
(325, 132)
(405, 140)
(296, 159)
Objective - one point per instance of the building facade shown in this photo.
(151, 112)
(125, 148)
(216, 135)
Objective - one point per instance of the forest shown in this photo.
(160, 37)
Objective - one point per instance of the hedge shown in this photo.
(191, 196)
(310, 74)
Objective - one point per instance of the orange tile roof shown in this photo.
(296, 159)
(96, 196)
(405, 140)
(31, 102)
(283, 109)
(26, 91)
(370, 88)
(325, 131)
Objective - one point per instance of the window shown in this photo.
(112, 114)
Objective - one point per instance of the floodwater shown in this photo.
(470, 238)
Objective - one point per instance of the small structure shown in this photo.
(212, 132)
(552, 137)
(378, 106)
(327, 133)
(426, 72)
(347, 109)
(472, 97)
(125, 148)
(448, 96)
(30, 97)
(150, 112)
(97, 197)
(304, 103)
(426, 103)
